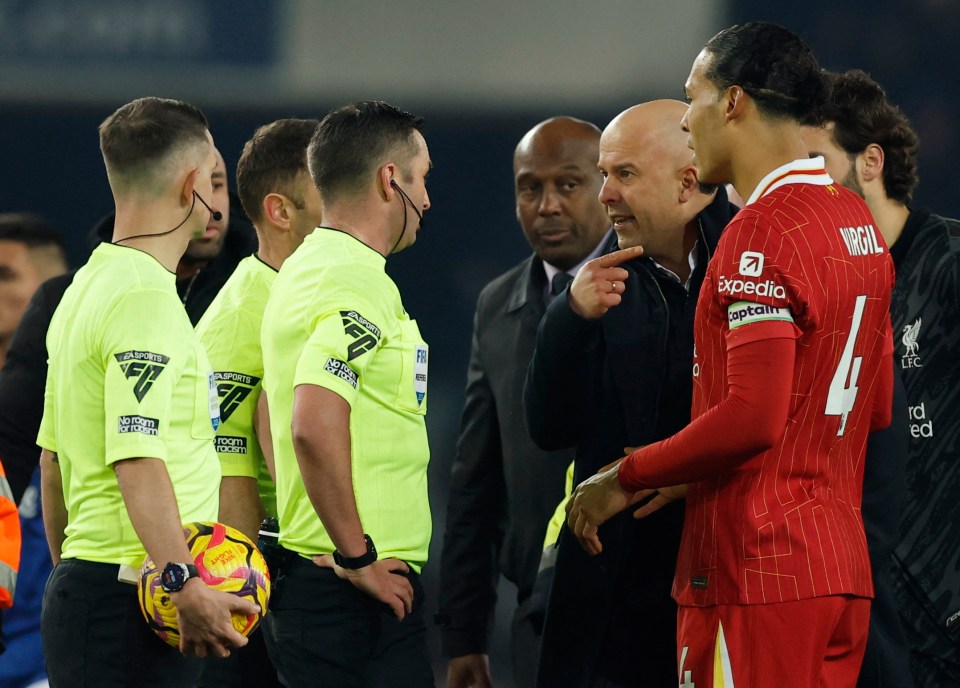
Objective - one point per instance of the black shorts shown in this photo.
(95, 635)
(322, 631)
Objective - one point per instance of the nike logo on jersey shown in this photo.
(233, 388)
(861, 241)
(365, 333)
(145, 366)
(739, 287)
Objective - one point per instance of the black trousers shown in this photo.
(94, 635)
(322, 631)
(246, 667)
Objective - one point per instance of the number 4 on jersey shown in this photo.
(843, 387)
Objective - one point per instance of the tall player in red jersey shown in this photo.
(792, 369)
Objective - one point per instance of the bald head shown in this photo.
(558, 134)
(650, 191)
(653, 128)
(557, 181)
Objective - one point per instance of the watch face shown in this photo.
(173, 577)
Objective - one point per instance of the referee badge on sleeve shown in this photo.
(420, 373)
(214, 397)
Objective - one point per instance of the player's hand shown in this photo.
(663, 496)
(469, 671)
(384, 580)
(593, 503)
(203, 615)
(600, 282)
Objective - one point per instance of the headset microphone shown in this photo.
(215, 214)
(404, 198)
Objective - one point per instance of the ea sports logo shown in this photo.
(751, 264)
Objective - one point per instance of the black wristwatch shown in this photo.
(354, 563)
(175, 576)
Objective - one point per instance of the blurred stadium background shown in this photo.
(480, 72)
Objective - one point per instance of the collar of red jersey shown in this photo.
(802, 171)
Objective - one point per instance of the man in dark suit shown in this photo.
(503, 488)
(611, 369)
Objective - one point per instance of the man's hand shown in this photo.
(600, 282)
(664, 495)
(383, 580)
(593, 503)
(203, 615)
(469, 671)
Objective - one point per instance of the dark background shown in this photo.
(50, 164)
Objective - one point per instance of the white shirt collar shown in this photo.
(552, 270)
(691, 261)
(802, 171)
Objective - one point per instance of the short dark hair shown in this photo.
(145, 131)
(861, 115)
(772, 65)
(271, 161)
(33, 232)
(352, 141)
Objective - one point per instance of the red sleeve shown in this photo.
(750, 420)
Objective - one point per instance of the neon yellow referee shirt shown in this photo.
(127, 378)
(335, 319)
(230, 334)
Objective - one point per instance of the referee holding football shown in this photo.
(129, 418)
(345, 371)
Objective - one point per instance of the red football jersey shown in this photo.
(786, 524)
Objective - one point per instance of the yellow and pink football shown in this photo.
(226, 560)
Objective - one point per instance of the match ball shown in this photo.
(226, 560)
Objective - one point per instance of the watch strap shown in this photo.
(363, 560)
(186, 572)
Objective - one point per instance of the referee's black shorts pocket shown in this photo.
(64, 625)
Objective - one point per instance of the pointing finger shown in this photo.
(621, 256)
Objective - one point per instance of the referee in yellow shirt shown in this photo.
(345, 372)
(130, 412)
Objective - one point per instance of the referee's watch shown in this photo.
(175, 576)
(354, 563)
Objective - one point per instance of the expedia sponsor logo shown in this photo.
(145, 366)
(365, 333)
(742, 312)
(739, 287)
(232, 389)
(342, 371)
(227, 444)
(141, 424)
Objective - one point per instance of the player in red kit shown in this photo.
(792, 370)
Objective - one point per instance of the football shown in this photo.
(226, 560)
